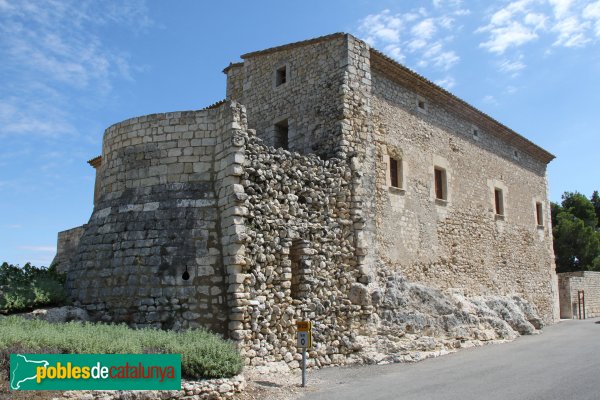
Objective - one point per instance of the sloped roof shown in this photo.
(421, 85)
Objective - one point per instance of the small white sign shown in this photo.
(303, 339)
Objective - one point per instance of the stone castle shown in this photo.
(332, 184)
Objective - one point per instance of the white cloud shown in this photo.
(25, 114)
(419, 37)
(446, 22)
(424, 29)
(511, 35)
(416, 44)
(537, 21)
(447, 82)
(592, 12)
(52, 56)
(512, 67)
(561, 7)
(520, 22)
(381, 27)
(571, 32)
(434, 55)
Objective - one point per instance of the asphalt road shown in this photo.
(562, 363)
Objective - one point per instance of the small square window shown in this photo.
(441, 186)
(516, 155)
(498, 201)
(475, 132)
(539, 213)
(422, 105)
(281, 76)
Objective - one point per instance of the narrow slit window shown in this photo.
(499, 201)
(281, 134)
(281, 76)
(295, 267)
(299, 270)
(440, 183)
(395, 173)
(539, 214)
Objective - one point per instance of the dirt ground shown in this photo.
(276, 384)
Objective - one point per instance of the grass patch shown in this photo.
(203, 354)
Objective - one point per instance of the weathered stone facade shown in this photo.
(282, 203)
(572, 301)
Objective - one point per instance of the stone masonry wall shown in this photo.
(570, 283)
(310, 99)
(157, 214)
(459, 243)
(66, 248)
(299, 255)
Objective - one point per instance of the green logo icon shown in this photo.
(95, 371)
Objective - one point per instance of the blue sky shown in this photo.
(71, 68)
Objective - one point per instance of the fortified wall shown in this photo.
(332, 184)
(163, 207)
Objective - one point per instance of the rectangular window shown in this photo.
(395, 173)
(281, 76)
(539, 214)
(440, 183)
(281, 134)
(499, 201)
(422, 105)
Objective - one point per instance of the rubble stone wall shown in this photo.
(459, 243)
(570, 283)
(157, 215)
(299, 255)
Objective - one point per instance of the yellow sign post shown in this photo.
(304, 340)
(303, 326)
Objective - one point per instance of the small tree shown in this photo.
(576, 234)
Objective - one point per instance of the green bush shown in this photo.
(22, 289)
(203, 354)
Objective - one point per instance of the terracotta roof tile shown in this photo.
(412, 80)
